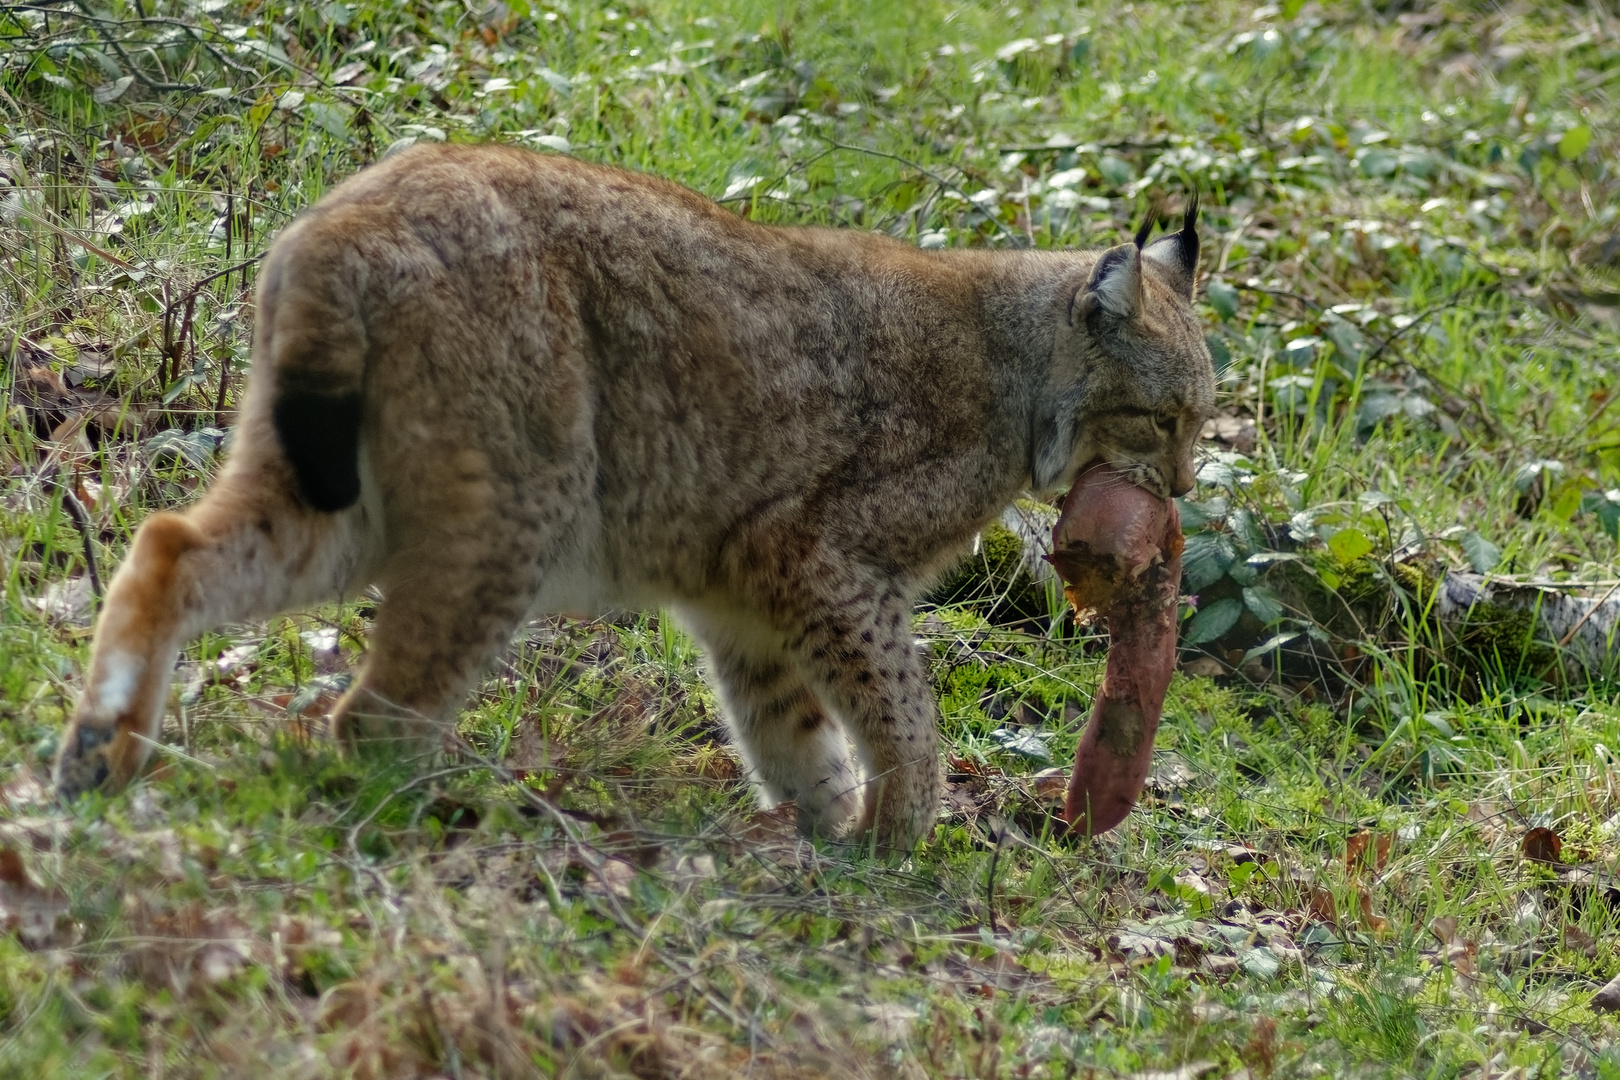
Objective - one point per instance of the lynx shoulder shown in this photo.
(497, 384)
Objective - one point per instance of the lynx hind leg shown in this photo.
(451, 603)
(794, 750)
(247, 550)
(433, 636)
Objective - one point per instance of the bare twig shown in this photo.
(1001, 228)
(81, 521)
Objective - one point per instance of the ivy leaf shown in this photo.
(560, 82)
(1567, 502)
(1483, 555)
(1347, 339)
(332, 118)
(109, 92)
(1263, 604)
(1276, 641)
(1116, 171)
(1378, 163)
(1222, 297)
(1373, 499)
(1211, 622)
(1527, 475)
(1349, 544)
(1024, 743)
(1205, 558)
(1375, 407)
(1608, 515)
(1195, 515)
(1605, 506)
(1574, 142)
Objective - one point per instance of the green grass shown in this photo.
(1325, 877)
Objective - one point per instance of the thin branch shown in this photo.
(81, 521)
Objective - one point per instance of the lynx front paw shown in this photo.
(84, 762)
(901, 810)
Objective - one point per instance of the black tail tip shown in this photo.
(320, 434)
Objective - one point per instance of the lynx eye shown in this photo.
(1168, 424)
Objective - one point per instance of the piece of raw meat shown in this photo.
(1118, 547)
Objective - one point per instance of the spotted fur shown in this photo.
(496, 384)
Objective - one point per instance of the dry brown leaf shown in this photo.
(1323, 907)
(718, 763)
(1367, 849)
(23, 790)
(366, 1046)
(347, 1005)
(1206, 666)
(1463, 956)
(350, 74)
(38, 916)
(1189, 879)
(529, 750)
(1190, 1071)
(970, 767)
(1542, 845)
(1374, 923)
(764, 826)
(1051, 784)
(1261, 1050)
(1579, 941)
(173, 948)
(66, 602)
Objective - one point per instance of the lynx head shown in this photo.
(1139, 379)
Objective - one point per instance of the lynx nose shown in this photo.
(1183, 479)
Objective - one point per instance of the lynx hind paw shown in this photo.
(364, 727)
(85, 762)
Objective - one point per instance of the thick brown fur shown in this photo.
(574, 388)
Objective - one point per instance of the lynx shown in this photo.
(496, 384)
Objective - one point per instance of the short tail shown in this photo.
(320, 433)
(314, 337)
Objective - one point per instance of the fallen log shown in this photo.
(1581, 632)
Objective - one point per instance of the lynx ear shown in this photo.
(1115, 288)
(1176, 256)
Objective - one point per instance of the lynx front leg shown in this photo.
(856, 647)
(793, 749)
(247, 550)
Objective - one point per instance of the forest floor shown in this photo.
(1369, 847)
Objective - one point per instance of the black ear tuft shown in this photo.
(1189, 235)
(1146, 230)
(1176, 255)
